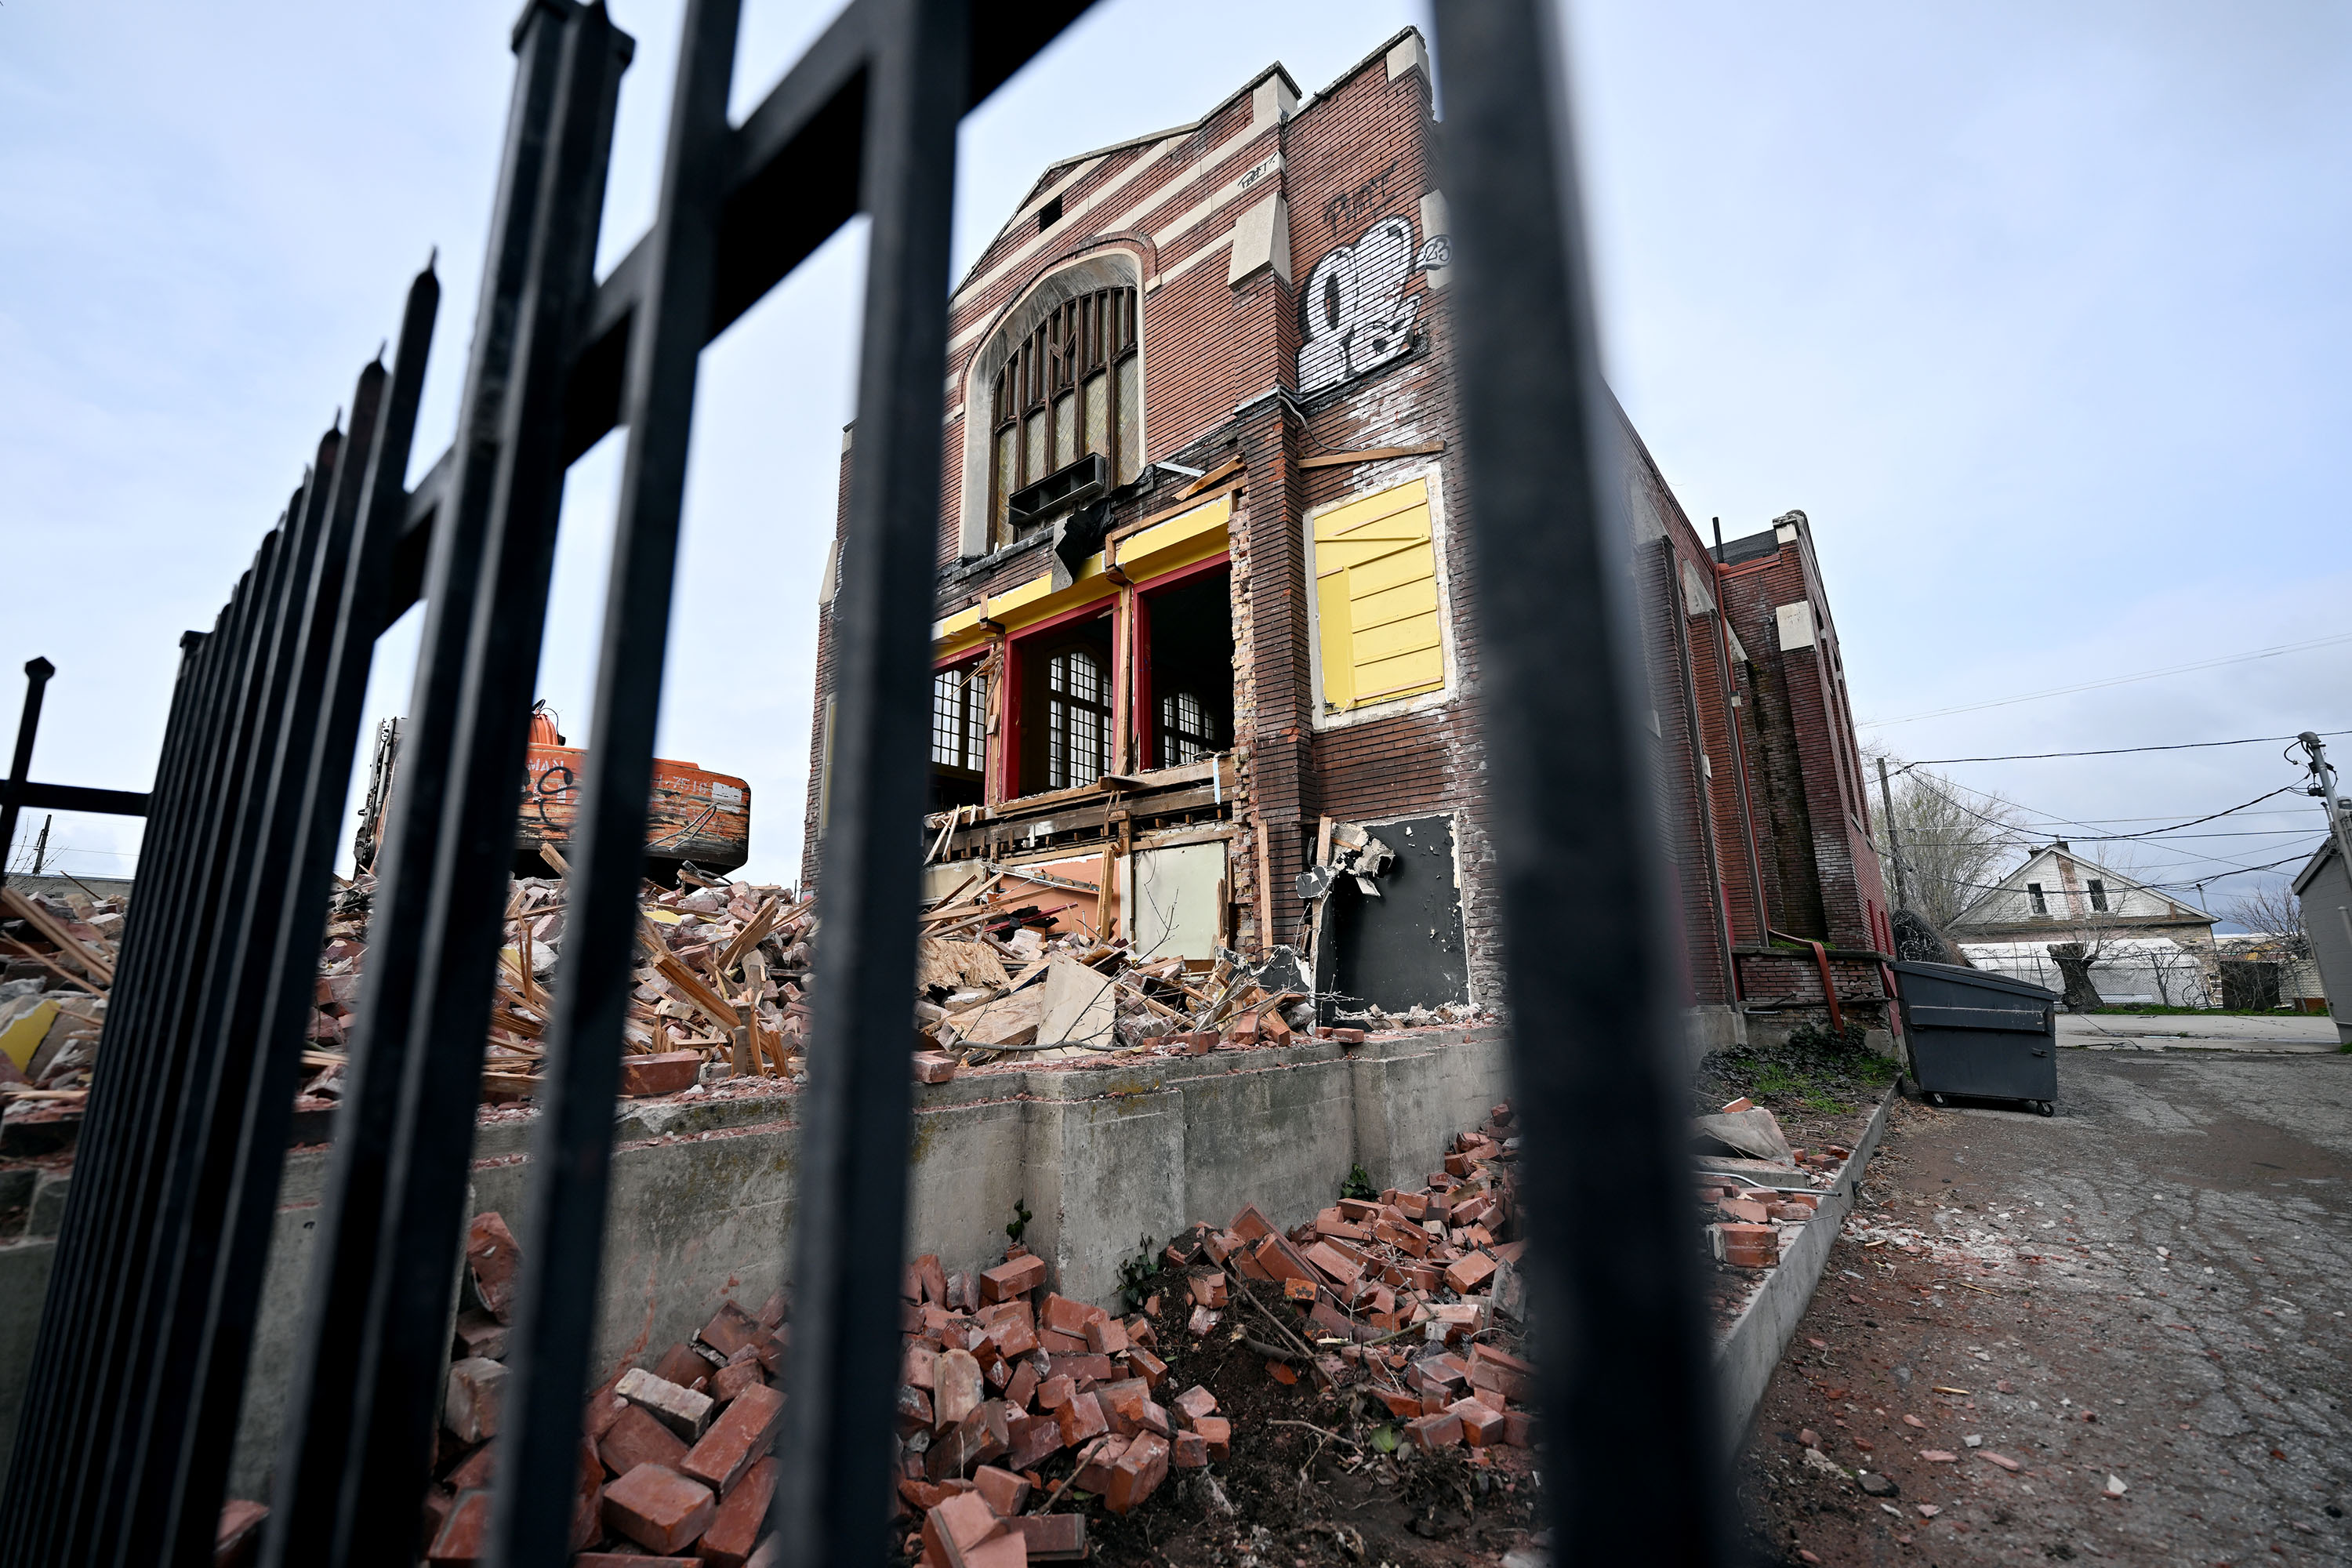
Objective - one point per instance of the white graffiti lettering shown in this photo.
(1356, 313)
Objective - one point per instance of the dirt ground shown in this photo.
(2145, 1295)
(1307, 1483)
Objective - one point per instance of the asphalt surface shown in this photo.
(2198, 1031)
(2144, 1293)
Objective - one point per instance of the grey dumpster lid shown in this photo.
(1980, 979)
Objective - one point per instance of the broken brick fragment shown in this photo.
(476, 1399)
(492, 1259)
(1430, 1433)
(637, 1439)
(464, 1534)
(659, 1072)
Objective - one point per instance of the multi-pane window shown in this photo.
(2098, 895)
(1187, 730)
(1073, 386)
(959, 718)
(2033, 893)
(1078, 718)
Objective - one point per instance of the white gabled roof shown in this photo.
(2042, 867)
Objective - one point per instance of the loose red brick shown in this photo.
(658, 1509)
(465, 1535)
(1063, 1315)
(737, 1440)
(1146, 1365)
(732, 1329)
(734, 1378)
(1194, 1402)
(1430, 1433)
(1250, 1225)
(1080, 1419)
(480, 1334)
(1032, 1438)
(631, 1559)
(957, 1387)
(1217, 1431)
(1518, 1430)
(1007, 1281)
(934, 1067)
(493, 1259)
(1466, 1274)
(1107, 1336)
(1481, 1426)
(956, 1526)
(238, 1535)
(637, 1439)
(476, 1398)
(1187, 1451)
(1053, 1536)
(659, 1072)
(1006, 1491)
(683, 1365)
(1138, 1473)
(476, 1473)
(736, 1527)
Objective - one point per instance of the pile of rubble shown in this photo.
(1019, 1408)
(722, 976)
(1755, 1197)
(61, 955)
(1009, 1413)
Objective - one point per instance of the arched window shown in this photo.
(1078, 715)
(1188, 729)
(1071, 386)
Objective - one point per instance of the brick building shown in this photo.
(1204, 645)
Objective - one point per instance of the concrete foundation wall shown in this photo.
(703, 1189)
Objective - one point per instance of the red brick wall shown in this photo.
(1220, 383)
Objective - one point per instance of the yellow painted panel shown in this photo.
(23, 1038)
(1415, 564)
(1396, 604)
(1422, 670)
(1143, 569)
(1015, 597)
(1337, 641)
(1339, 520)
(1376, 643)
(1357, 552)
(962, 621)
(1210, 517)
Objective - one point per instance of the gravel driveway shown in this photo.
(2144, 1296)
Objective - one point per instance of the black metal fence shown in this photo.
(124, 1442)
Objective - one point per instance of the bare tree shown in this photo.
(2274, 911)
(1952, 842)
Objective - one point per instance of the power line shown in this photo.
(2113, 680)
(2105, 750)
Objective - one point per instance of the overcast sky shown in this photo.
(2038, 312)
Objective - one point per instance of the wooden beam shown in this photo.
(1370, 454)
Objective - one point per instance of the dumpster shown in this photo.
(1978, 1034)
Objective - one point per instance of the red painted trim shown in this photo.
(1222, 558)
(957, 662)
(1097, 608)
(1147, 733)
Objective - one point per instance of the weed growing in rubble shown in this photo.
(1814, 1067)
(1021, 1218)
(1133, 1273)
(1359, 1184)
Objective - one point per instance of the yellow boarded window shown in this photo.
(1376, 599)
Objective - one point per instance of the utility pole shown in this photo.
(2323, 785)
(41, 844)
(1894, 840)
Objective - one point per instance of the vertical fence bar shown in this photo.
(1636, 1463)
(210, 1118)
(126, 1271)
(20, 767)
(563, 1229)
(145, 934)
(832, 1499)
(335, 1463)
(312, 776)
(360, 619)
